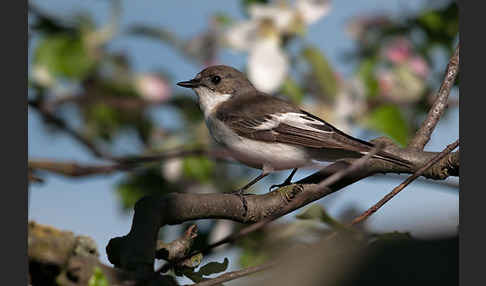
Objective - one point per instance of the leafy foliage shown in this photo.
(98, 278)
(389, 120)
(143, 183)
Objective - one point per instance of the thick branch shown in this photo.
(136, 250)
(423, 134)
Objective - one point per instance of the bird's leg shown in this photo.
(241, 190)
(287, 181)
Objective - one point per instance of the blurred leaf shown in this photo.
(214, 267)
(441, 25)
(317, 212)
(199, 169)
(246, 3)
(253, 251)
(195, 276)
(322, 71)
(48, 24)
(64, 55)
(389, 120)
(98, 278)
(143, 183)
(188, 107)
(223, 18)
(194, 261)
(366, 71)
(291, 89)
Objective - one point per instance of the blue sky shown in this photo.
(90, 206)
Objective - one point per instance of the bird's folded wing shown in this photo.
(297, 128)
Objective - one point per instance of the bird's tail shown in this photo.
(391, 158)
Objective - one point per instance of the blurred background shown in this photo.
(102, 80)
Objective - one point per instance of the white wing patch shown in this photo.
(298, 120)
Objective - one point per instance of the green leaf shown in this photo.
(188, 107)
(223, 18)
(321, 70)
(291, 89)
(64, 55)
(317, 212)
(199, 169)
(252, 257)
(195, 277)
(214, 267)
(366, 71)
(253, 250)
(146, 182)
(194, 261)
(389, 120)
(98, 278)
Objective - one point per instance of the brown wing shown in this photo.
(266, 118)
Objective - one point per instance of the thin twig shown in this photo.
(74, 169)
(234, 275)
(422, 136)
(61, 124)
(450, 185)
(405, 183)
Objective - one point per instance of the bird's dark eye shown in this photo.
(215, 79)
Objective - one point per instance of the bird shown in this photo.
(267, 132)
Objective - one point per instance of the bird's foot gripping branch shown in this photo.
(137, 250)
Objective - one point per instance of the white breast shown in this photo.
(256, 154)
(208, 99)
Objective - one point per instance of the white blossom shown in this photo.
(312, 10)
(267, 65)
(152, 87)
(261, 36)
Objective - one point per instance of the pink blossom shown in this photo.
(153, 87)
(398, 51)
(419, 66)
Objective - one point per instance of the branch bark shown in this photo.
(74, 169)
(136, 250)
(422, 136)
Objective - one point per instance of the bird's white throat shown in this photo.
(209, 100)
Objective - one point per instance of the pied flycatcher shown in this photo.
(268, 133)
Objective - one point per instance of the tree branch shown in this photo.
(74, 169)
(405, 183)
(292, 205)
(428, 125)
(59, 123)
(136, 250)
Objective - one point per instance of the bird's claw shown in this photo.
(286, 183)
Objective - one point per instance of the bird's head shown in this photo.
(219, 79)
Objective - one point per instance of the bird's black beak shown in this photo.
(190, 83)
